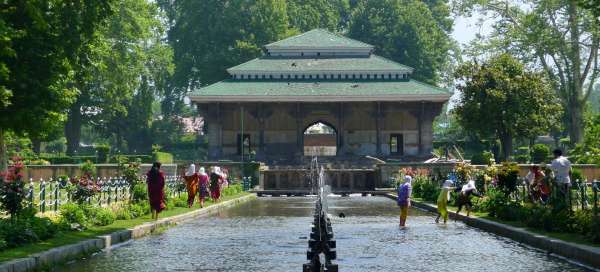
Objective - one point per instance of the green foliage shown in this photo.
(103, 217)
(306, 15)
(522, 155)
(25, 230)
(130, 171)
(508, 175)
(588, 151)
(425, 188)
(67, 159)
(232, 190)
(540, 153)
(88, 169)
(482, 158)
(123, 213)
(102, 151)
(12, 190)
(405, 31)
(500, 98)
(140, 193)
(139, 209)
(162, 157)
(131, 158)
(72, 216)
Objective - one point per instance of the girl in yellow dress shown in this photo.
(442, 201)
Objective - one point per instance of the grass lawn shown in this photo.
(71, 237)
(568, 237)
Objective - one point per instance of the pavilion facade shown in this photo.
(267, 104)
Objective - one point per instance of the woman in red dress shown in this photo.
(156, 189)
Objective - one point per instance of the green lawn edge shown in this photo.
(567, 237)
(72, 237)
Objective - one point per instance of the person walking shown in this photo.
(404, 193)
(191, 184)
(464, 198)
(203, 184)
(561, 169)
(215, 183)
(156, 189)
(442, 201)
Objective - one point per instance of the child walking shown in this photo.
(442, 201)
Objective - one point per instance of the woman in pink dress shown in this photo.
(203, 184)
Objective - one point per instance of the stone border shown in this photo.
(585, 254)
(62, 254)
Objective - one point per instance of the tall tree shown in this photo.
(46, 38)
(305, 15)
(405, 31)
(128, 52)
(501, 99)
(560, 36)
(212, 35)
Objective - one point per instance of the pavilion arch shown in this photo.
(320, 138)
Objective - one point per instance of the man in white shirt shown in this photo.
(561, 168)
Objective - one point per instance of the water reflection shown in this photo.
(269, 234)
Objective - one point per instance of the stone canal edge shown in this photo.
(587, 255)
(63, 254)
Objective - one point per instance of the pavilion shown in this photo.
(318, 77)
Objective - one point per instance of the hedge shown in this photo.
(162, 157)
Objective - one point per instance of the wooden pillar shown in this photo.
(420, 126)
(340, 133)
(219, 125)
(299, 130)
(378, 128)
(261, 130)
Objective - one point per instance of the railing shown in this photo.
(49, 195)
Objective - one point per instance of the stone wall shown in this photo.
(37, 172)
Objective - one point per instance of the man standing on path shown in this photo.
(561, 168)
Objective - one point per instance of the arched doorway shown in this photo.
(320, 139)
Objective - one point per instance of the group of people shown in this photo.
(538, 180)
(197, 183)
(202, 184)
(538, 186)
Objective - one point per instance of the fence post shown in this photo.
(56, 195)
(116, 191)
(31, 191)
(123, 185)
(595, 185)
(42, 196)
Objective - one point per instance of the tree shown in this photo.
(560, 36)
(305, 15)
(42, 39)
(500, 98)
(127, 65)
(405, 31)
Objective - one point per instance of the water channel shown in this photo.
(269, 234)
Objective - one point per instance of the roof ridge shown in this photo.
(324, 31)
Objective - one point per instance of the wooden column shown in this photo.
(378, 127)
(420, 126)
(340, 133)
(261, 130)
(299, 130)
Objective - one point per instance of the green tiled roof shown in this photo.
(271, 90)
(319, 38)
(373, 63)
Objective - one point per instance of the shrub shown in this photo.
(425, 188)
(482, 158)
(103, 217)
(73, 216)
(508, 175)
(141, 209)
(123, 213)
(15, 233)
(12, 189)
(82, 189)
(162, 157)
(594, 233)
(232, 190)
(140, 193)
(540, 153)
(43, 227)
(102, 151)
(523, 155)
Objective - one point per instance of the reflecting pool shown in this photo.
(270, 234)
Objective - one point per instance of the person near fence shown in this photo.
(464, 197)
(404, 193)
(191, 184)
(156, 189)
(442, 201)
(561, 168)
(203, 183)
(215, 183)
